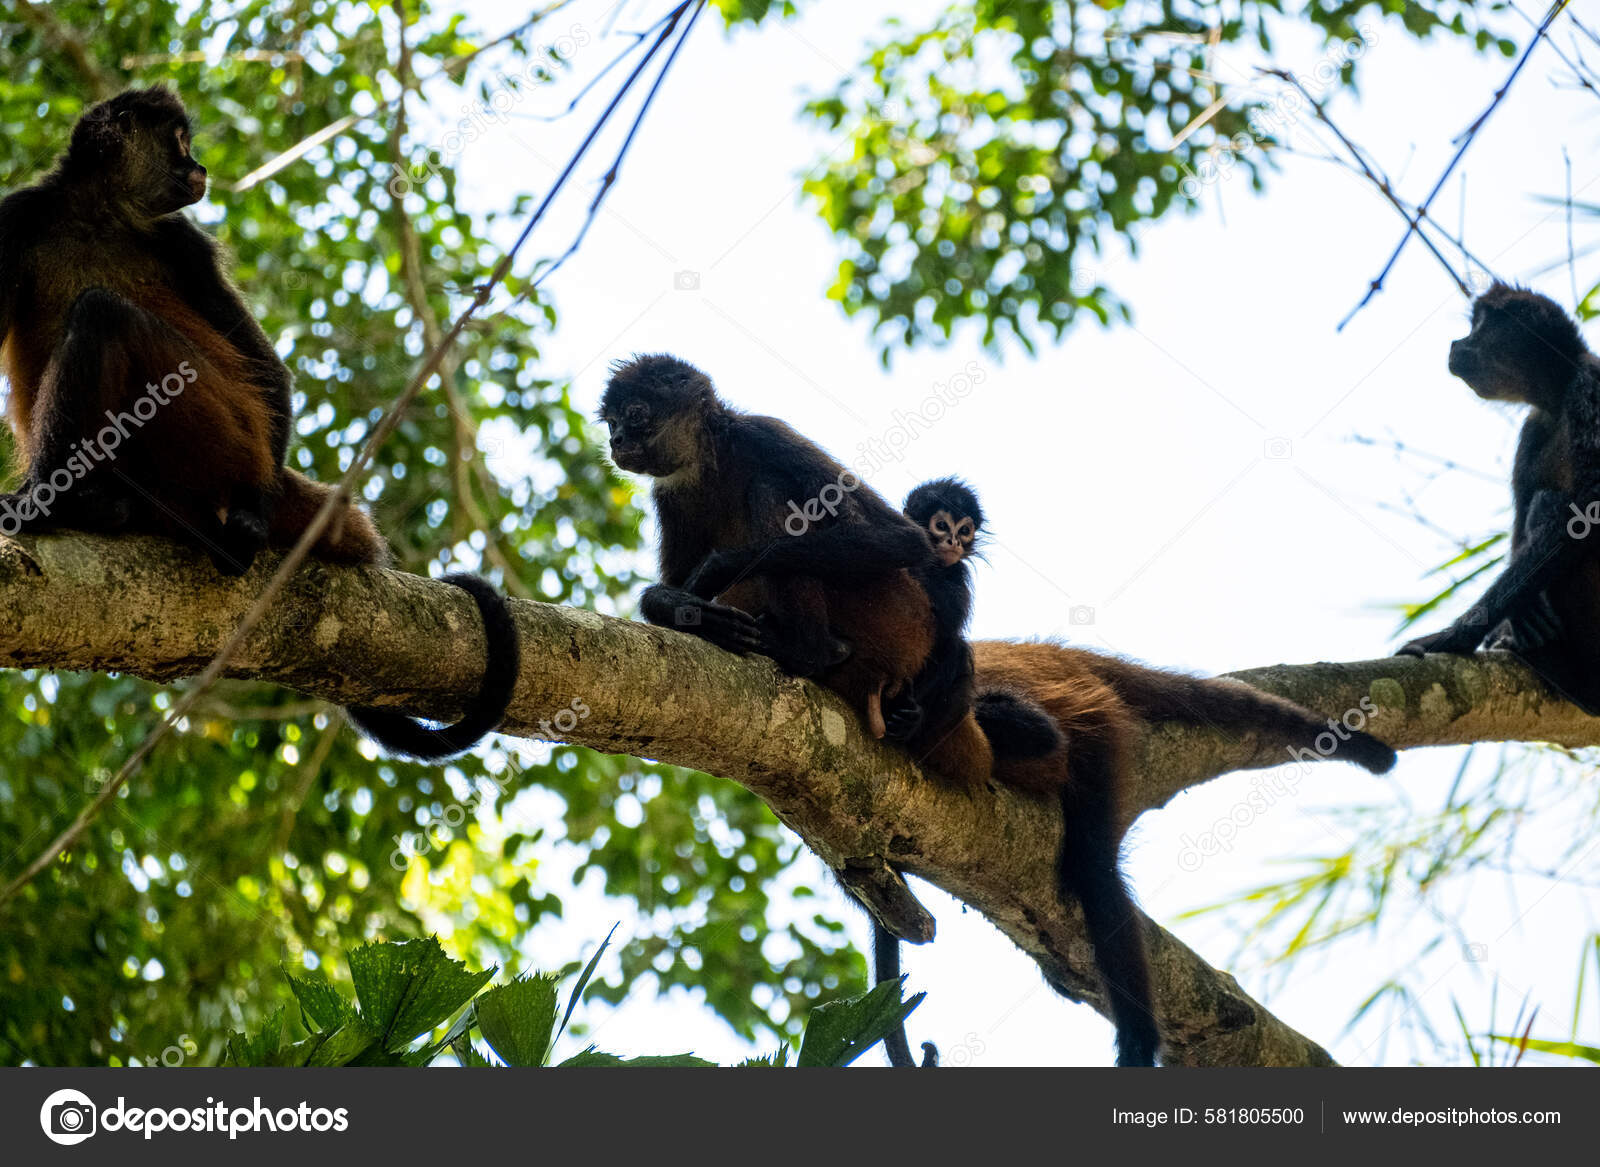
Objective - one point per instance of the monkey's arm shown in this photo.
(20, 225)
(940, 696)
(726, 627)
(192, 255)
(841, 553)
(1548, 550)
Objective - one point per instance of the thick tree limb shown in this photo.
(371, 636)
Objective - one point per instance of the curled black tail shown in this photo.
(1088, 869)
(886, 967)
(1240, 708)
(403, 734)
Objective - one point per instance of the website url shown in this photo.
(1454, 1116)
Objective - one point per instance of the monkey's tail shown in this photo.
(1233, 705)
(886, 967)
(351, 537)
(403, 734)
(1088, 869)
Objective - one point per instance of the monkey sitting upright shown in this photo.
(145, 397)
(826, 595)
(1545, 605)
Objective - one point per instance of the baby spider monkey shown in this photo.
(942, 707)
(1545, 605)
(943, 694)
(145, 397)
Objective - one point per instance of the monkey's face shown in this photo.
(952, 536)
(643, 439)
(1522, 347)
(163, 175)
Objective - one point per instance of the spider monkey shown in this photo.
(767, 544)
(942, 702)
(1545, 606)
(145, 397)
(1098, 702)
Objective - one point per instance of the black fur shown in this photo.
(403, 734)
(1545, 605)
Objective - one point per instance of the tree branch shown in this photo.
(370, 636)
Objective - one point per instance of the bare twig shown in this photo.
(334, 129)
(1380, 182)
(610, 176)
(1466, 138)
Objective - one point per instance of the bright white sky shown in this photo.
(1125, 470)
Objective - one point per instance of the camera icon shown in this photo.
(1475, 952)
(1080, 614)
(1277, 449)
(67, 1117)
(95, 780)
(686, 281)
(294, 280)
(686, 616)
(1476, 617)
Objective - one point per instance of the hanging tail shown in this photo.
(403, 734)
(1088, 870)
(886, 967)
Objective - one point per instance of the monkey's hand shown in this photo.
(724, 626)
(902, 717)
(1459, 638)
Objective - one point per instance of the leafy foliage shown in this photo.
(998, 159)
(265, 832)
(401, 986)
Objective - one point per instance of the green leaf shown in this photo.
(407, 987)
(1565, 1049)
(583, 978)
(515, 1019)
(320, 1002)
(591, 1058)
(841, 1031)
(262, 1048)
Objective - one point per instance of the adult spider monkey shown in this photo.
(145, 397)
(1098, 703)
(1545, 606)
(767, 544)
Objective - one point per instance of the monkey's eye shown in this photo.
(937, 527)
(965, 530)
(183, 143)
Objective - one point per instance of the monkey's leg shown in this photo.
(244, 532)
(842, 553)
(89, 375)
(795, 631)
(961, 755)
(1549, 550)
